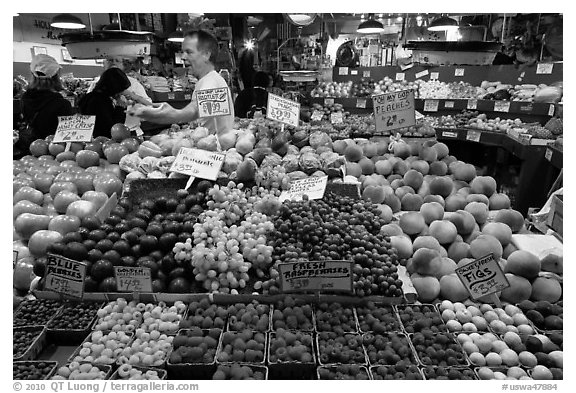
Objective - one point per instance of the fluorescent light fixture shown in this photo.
(176, 36)
(443, 23)
(67, 21)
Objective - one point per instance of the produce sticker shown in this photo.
(65, 276)
(283, 110)
(313, 187)
(198, 163)
(76, 128)
(316, 276)
(133, 279)
(213, 102)
(394, 110)
(482, 277)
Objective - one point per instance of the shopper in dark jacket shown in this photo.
(42, 103)
(100, 101)
(254, 99)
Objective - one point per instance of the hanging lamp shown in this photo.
(443, 23)
(370, 26)
(67, 21)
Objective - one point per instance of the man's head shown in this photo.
(199, 49)
(117, 62)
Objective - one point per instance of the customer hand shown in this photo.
(147, 112)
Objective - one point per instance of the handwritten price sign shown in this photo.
(482, 277)
(316, 276)
(394, 110)
(314, 187)
(198, 163)
(133, 279)
(65, 276)
(283, 110)
(213, 102)
(77, 128)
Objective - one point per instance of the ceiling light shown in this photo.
(301, 19)
(443, 23)
(67, 21)
(249, 44)
(370, 26)
(399, 19)
(176, 36)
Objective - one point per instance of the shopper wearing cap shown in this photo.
(42, 103)
(100, 101)
(200, 50)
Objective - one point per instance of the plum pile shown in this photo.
(243, 347)
(195, 346)
(32, 370)
(343, 372)
(292, 314)
(78, 316)
(448, 373)
(438, 349)
(22, 339)
(333, 317)
(336, 348)
(239, 372)
(397, 372)
(543, 314)
(416, 318)
(35, 312)
(388, 349)
(338, 228)
(378, 319)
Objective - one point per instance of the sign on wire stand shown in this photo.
(316, 276)
(133, 279)
(482, 277)
(283, 110)
(313, 187)
(213, 102)
(198, 163)
(394, 110)
(65, 276)
(76, 128)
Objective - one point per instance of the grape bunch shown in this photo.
(274, 178)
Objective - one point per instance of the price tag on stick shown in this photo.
(316, 276)
(431, 105)
(213, 102)
(336, 118)
(283, 110)
(133, 279)
(65, 276)
(473, 136)
(198, 163)
(483, 277)
(314, 187)
(317, 115)
(394, 110)
(76, 128)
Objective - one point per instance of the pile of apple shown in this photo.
(481, 122)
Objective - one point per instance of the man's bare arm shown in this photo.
(164, 113)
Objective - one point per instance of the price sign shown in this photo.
(551, 110)
(133, 279)
(317, 115)
(544, 68)
(394, 110)
(213, 102)
(482, 277)
(526, 108)
(198, 163)
(459, 72)
(434, 75)
(400, 76)
(361, 103)
(76, 128)
(316, 276)
(502, 106)
(14, 258)
(328, 101)
(336, 118)
(473, 136)
(65, 276)
(343, 71)
(171, 96)
(366, 74)
(548, 154)
(314, 187)
(430, 105)
(421, 74)
(449, 104)
(354, 72)
(449, 134)
(188, 96)
(405, 67)
(524, 138)
(472, 104)
(283, 110)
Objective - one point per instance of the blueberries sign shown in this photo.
(482, 277)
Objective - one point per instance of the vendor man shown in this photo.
(200, 49)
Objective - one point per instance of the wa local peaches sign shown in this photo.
(482, 277)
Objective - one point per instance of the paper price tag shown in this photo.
(472, 104)
(366, 74)
(434, 75)
(548, 154)
(394, 110)
(430, 105)
(353, 72)
(283, 110)
(188, 96)
(133, 279)
(336, 118)
(448, 104)
(421, 74)
(551, 110)
(317, 115)
(473, 136)
(171, 96)
(449, 134)
(482, 277)
(76, 128)
(459, 72)
(526, 108)
(328, 101)
(544, 68)
(314, 187)
(316, 276)
(502, 106)
(361, 103)
(406, 66)
(213, 102)
(343, 71)
(198, 163)
(400, 76)
(65, 276)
